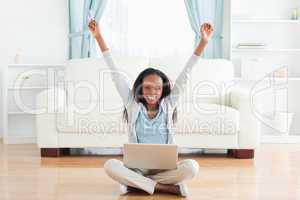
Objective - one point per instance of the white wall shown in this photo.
(37, 27)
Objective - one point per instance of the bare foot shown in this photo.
(173, 189)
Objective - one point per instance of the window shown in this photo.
(147, 28)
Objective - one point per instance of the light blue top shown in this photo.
(151, 131)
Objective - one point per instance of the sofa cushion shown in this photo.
(89, 79)
(210, 78)
(207, 119)
(206, 69)
(99, 118)
(201, 118)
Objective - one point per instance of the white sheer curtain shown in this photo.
(147, 28)
(114, 26)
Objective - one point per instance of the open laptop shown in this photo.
(150, 156)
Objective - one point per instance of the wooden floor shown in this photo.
(274, 174)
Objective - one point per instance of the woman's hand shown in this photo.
(94, 28)
(206, 32)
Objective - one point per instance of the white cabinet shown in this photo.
(270, 26)
(21, 84)
(268, 23)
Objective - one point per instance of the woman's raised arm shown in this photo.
(118, 77)
(180, 83)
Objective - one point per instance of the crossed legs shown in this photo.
(149, 182)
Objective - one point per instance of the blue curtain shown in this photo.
(81, 43)
(200, 11)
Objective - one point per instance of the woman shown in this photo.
(150, 111)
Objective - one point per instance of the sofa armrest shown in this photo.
(241, 98)
(50, 102)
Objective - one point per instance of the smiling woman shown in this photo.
(148, 96)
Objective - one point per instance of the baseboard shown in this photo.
(20, 140)
(280, 139)
(264, 139)
(215, 151)
(118, 151)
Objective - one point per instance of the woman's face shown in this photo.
(152, 88)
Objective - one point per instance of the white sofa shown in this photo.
(214, 111)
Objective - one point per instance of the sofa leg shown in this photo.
(241, 153)
(230, 152)
(54, 152)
